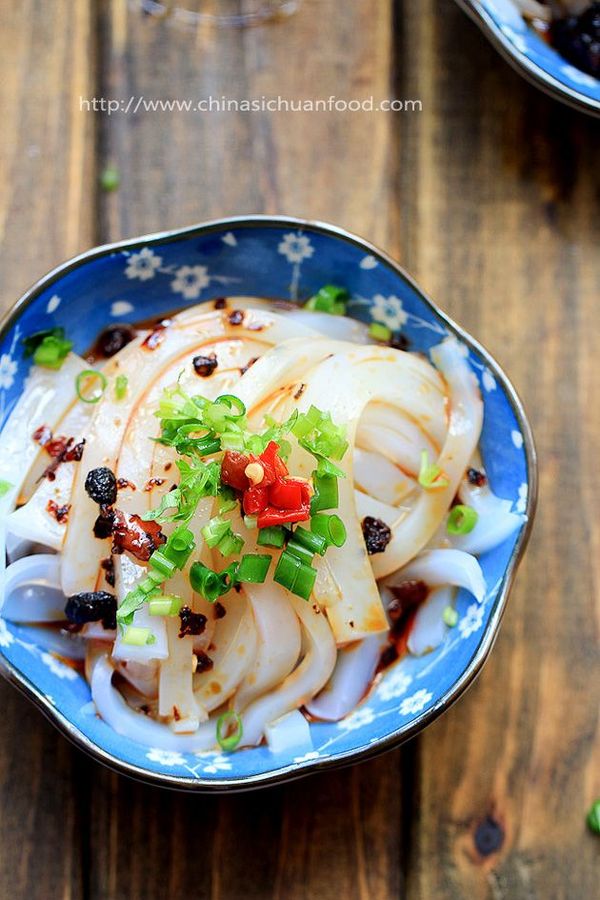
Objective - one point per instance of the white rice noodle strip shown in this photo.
(303, 683)
(289, 732)
(393, 446)
(142, 676)
(429, 629)
(278, 642)
(377, 476)
(369, 506)
(495, 524)
(278, 630)
(466, 414)
(32, 590)
(47, 395)
(382, 415)
(33, 520)
(350, 680)
(176, 699)
(111, 421)
(442, 567)
(340, 328)
(351, 378)
(138, 727)
(235, 641)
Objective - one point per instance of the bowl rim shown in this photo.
(402, 734)
(523, 65)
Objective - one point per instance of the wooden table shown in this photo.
(489, 197)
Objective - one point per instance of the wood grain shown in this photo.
(489, 196)
(46, 153)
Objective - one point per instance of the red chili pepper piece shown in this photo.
(272, 516)
(233, 470)
(255, 500)
(286, 494)
(272, 463)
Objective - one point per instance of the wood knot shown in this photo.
(489, 836)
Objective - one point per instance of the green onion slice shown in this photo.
(5, 487)
(379, 332)
(121, 382)
(165, 605)
(234, 404)
(593, 817)
(205, 582)
(253, 568)
(138, 637)
(312, 540)
(273, 536)
(90, 385)
(326, 494)
(330, 527)
(229, 730)
(461, 520)
(431, 476)
(450, 616)
(329, 299)
(51, 352)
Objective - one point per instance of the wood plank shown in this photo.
(338, 832)
(504, 233)
(46, 160)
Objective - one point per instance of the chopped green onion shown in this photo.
(165, 605)
(33, 341)
(295, 575)
(329, 299)
(251, 522)
(52, 351)
(329, 527)
(305, 581)
(253, 567)
(5, 487)
(226, 500)
(273, 536)
(110, 179)
(450, 616)
(431, 476)
(165, 566)
(131, 603)
(462, 520)
(90, 385)
(593, 817)
(215, 531)
(150, 584)
(205, 582)
(379, 332)
(312, 540)
(121, 386)
(303, 553)
(138, 637)
(230, 544)
(231, 440)
(179, 546)
(326, 493)
(236, 407)
(286, 570)
(229, 730)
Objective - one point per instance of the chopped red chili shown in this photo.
(42, 435)
(219, 610)
(152, 483)
(135, 536)
(60, 513)
(108, 565)
(156, 336)
(220, 303)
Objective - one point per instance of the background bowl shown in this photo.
(278, 258)
(531, 56)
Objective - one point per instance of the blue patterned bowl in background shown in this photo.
(277, 258)
(531, 56)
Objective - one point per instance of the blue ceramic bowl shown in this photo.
(531, 56)
(278, 258)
